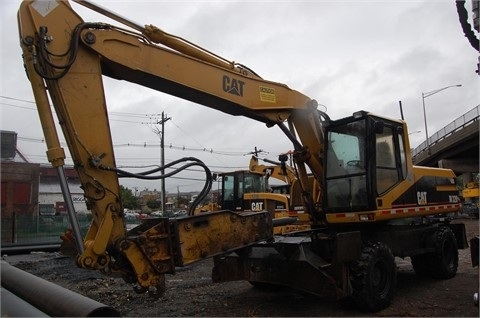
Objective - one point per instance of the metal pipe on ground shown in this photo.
(14, 306)
(25, 249)
(49, 298)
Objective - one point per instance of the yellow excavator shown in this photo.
(471, 195)
(292, 189)
(250, 190)
(371, 204)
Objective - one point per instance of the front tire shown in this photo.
(373, 277)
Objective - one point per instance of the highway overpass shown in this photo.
(455, 146)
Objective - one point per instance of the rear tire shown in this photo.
(445, 258)
(443, 262)
(373, 277)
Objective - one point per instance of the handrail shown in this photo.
(470, 116)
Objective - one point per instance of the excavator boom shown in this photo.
(65, 59)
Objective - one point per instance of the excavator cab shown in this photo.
(365, 158)
(249, 192)
(236, 184)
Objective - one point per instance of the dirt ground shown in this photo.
(190, 292)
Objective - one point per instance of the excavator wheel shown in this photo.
(445, 258)
(373, 277)
(443, 262)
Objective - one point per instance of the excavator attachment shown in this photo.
(167, 243)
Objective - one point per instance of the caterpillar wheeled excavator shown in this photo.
(370, 206)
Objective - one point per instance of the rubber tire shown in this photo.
(443, 262)
(373, 277)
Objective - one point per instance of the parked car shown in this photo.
(156, 213)
(130, 215)
(180, 213)
(471, 209)
(142, 215)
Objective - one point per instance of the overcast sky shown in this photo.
(348, 55)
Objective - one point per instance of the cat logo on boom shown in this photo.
(232, 85)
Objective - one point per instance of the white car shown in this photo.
(130, 215)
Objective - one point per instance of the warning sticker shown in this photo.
(44, 7)
(267, 94)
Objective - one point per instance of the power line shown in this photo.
(18, 99)
(183, 148)
(154, 145)
(120, 114)
(202, 148)
(179, 128)
(16, 106)
(144, 145)
(129, 115)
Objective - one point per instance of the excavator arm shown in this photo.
(65, 59)
(277, 170)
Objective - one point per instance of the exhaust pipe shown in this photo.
(48, 298)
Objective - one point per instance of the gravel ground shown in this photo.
(190, 292)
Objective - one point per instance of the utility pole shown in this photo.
(178, 196)
(162, 156)
(161, 133)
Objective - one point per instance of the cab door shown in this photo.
(232, 191)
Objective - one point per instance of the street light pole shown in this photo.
(425, 120)
(425, 95)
